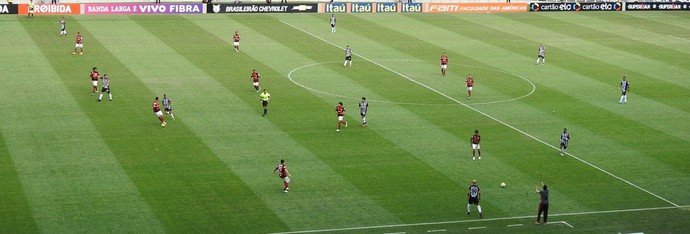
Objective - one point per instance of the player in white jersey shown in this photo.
(332, 23)
(541, 55)
(473, 197)
(105, 88)
(625, 86)
(63, 29)
(565, 137)
(348, 56)
(363, 107)
(167, 106)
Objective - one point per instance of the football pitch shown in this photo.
(71, 164)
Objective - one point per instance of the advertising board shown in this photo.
(261, 8)
(115, 9)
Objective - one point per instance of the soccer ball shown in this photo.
(503, 184)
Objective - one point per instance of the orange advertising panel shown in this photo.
(475, 7)
(51, 9)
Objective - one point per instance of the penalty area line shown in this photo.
(487, 115)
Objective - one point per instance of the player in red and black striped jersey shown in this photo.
(78, 44)
(158, 112)
(476, 138)
(444, 63)
(470, 83)
(340, 110)
(283, 174)
(94, 80)
(236, 41)
(255, 80)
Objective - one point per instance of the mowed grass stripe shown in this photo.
(68, 188)
(527, 168)
(257, 145)
(15, 212)
(364, 153)
(181, 178)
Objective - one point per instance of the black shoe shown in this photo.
(480, 215)
(468, 213)
(99, 100)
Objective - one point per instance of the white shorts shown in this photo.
(443, 66)
(236, 43)
(475, 146)
(255, 83)
(340, 118)
(286, 179)
(469, 88)
(159, 113)
(94, 82)
(78, 45)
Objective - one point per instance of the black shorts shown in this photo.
(264, 103)
(540, 56)
(332, 25)
(564, 145)
(104, 90)
(348, 58)
(168, 109)
(473, 200)
(363, 113)
(624, 92)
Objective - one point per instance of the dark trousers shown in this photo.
(543, 208)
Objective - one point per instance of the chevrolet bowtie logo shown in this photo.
(301, 7)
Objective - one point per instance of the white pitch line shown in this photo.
(474, 228)
(514, 225)
(489, 116)
(560, 222)
(534, 87)
(437, 230)
(679, 38)
(478, 220)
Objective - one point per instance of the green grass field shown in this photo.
(70, 164)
